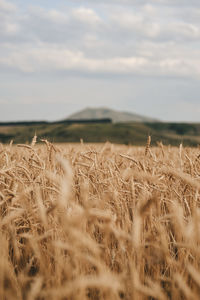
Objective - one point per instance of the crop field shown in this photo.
(99, 221)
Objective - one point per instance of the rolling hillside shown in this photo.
(120, 133)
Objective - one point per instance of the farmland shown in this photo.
(99, 221)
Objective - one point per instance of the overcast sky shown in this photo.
(57, 57)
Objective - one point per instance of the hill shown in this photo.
(134, 133)
(104, 112)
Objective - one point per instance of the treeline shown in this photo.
(81, 121)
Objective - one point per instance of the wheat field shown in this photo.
(84, 221)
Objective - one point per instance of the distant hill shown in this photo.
(103, 112)
(134, 133)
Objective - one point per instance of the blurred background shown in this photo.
(58, 58)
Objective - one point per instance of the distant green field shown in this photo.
(122, 133)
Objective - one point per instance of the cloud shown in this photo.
(68, 16)
(48, 58)
(56, 17)
(6, 6)
(187, 3)
(86, 15)
(144, 40)
(8, 25)
(136, 24)
(154, 25)
(186, 30)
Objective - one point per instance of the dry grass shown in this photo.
(99, 222)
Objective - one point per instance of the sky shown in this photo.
(58, 57)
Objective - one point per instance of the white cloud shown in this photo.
(8, 24)
(87, 40)
(9, 28)
(6, 6)
(53, 58)
(143, 2)
(48, 58)
(187, 30)
(86, 15)
(136, 23)
(57, 17)
(43, 15)
(149, 9)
